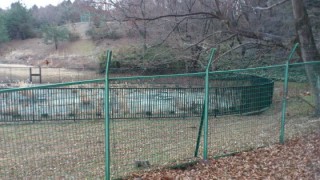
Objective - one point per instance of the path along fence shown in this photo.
(62, 130)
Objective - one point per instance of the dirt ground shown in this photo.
(298, 158)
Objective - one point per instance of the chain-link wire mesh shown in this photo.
(303, 99)
(155, 122)
(42, 136)
(250, 110)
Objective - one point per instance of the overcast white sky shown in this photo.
(4, 4)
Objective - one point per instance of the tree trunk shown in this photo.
(55, 42)
(308, 48)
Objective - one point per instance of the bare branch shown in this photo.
(174, 15)
(269, 38)
(270, 7)
(276, 40)
(236, 47)
(173, 29)
(203, 39)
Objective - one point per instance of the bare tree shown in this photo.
(201, 24)
(308, 48)
(197, 25)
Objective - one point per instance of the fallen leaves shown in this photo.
(297, 159)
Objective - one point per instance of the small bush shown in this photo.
(102, 63)
(155, 60)
(73, 36)
(132, 33)
(113, 35)
(103, 33)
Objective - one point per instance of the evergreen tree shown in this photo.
(54, 34)
(19, 22)
(3, 30)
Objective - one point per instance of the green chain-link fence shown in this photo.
(62, 130)
(42, 136)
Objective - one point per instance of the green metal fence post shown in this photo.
(285, 94)
(204, 113)
(107, 119)
(284, 103)
(206, 102)
(196, 152)
(204, 117)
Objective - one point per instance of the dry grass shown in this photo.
(299, 158)
(80, 47)
(52, 150)
(49, 75)
(76, 149)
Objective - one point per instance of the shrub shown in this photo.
(103, 33)
(113, 35)
(102, 63)
(73, 36)
(155, 60)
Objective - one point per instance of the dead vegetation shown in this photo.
(299, 158)
(76, 149)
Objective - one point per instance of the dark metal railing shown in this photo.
(56, 104)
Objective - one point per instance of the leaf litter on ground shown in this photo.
(298, 158)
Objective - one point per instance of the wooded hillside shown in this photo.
(173, 34)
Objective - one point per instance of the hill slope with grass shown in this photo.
(81, 53)
(35, 52)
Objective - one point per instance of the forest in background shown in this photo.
(172, 35)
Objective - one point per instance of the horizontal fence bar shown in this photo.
(158, 76)
(203, 73)
(248, 69)
(147, 77)
(304, 63)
